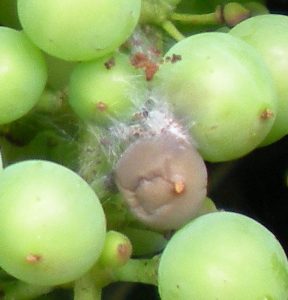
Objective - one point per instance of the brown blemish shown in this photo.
(170, 169)
(33, 258)
(150, 70)
(110, 63)
(175, 58)
(101, 106)
(266, 114)
(124, 251)
(141, 61)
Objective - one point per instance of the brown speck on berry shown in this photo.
(101, 106)
(175, 58)
(141, 61)
(167, 58)
(124, 250)
(267, 114)
(33, 258)
(110, 63)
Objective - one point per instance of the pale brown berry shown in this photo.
(163, 180)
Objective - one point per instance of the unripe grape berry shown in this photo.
(224, 91)
(23, 75)
(106, 90)
(223, 256)
(234, 13)
(52, 226)
(117, 250)
(268, 34)
(78, 30)
(163, 180)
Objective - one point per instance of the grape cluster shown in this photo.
(106, 129)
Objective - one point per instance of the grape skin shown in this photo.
(78, 30)
(225, 256)
(52, 225)
(163, 180)
(223, 89)
(23, 75)
(106, 90)
(268, 34)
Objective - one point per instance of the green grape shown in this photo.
(78, 30)
(223, 256)
(117, 250)
(106, 89)
(223, 89)
(269, 35)
(22, 75)
(52, 225)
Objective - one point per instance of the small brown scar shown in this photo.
(124, 251)
(266, 114)
(101, 106)
(175, 58)
(179, 187)
(110, 63)
(33, 258)
(141, 60)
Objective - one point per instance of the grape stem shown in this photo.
(203, 19)
(170, 28)
(138, 270)
(86, 289)
(89, 287)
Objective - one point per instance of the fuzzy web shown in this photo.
(152, 119)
